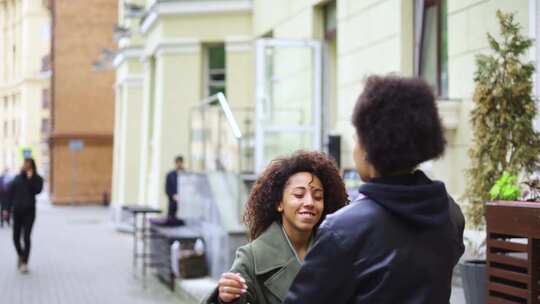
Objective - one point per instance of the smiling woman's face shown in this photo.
(302, 204)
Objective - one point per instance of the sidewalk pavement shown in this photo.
(77, 257)
(199, 288)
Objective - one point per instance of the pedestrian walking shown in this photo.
(400, 240)
(4, 214)
(286, 205)
(22, 203)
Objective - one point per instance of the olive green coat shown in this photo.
(269, 266)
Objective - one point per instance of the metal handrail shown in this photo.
(226, 110)
(233, 124)
(210, 104)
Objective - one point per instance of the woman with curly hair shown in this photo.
(288, 202)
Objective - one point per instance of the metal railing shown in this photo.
(218, 140)
(218, 136)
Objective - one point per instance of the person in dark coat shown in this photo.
(22, 202)
(171, 188)
(400, 240)
(4, 214)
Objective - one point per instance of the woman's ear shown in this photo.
(279, 207)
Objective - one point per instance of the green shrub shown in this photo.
(503, 135)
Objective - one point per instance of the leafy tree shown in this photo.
(502, 120)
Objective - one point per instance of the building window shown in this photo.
(215, 78)
(45, 98)
(330, 20)
(431, 44)
(6, 129)
(44, 147)
(46, 63)
(45, 126)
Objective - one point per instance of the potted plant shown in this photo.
(504, 139)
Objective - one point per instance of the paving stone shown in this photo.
(77, 257)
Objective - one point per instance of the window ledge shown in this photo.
(449, 111)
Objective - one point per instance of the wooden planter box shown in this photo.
(513, 252)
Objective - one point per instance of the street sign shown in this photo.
(76, 145)
(27, 153)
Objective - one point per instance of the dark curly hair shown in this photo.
(267, 191)
(397, 123)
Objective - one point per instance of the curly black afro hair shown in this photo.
(267, 191)
(397, 123)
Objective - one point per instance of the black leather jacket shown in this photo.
(397, 243)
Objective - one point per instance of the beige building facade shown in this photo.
(173, 57)
(25, 73)
(296, 68)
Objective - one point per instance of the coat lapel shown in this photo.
(272, 252)
(281, 281)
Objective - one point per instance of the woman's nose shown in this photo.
(308, 201)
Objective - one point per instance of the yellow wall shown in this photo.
(132, 114)
(127, 143)
(208, 28)
(239, 65)
(177, 45)
(128, 111)
(468, 23)
(372, 39)
(174, 94)
(147, 112)
(269, 16)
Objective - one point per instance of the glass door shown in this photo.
(288, 98)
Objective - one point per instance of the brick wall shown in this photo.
(82, 99)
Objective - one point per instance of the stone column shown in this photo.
(145, 122)
(116, 145)
(177, 88)
(129, 182)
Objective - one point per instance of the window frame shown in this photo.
(45, 126)
(330, 33)
(45, 99)
(209, 83)
(420, 12)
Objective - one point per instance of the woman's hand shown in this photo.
(231, 286)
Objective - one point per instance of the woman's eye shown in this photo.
(298, 195)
